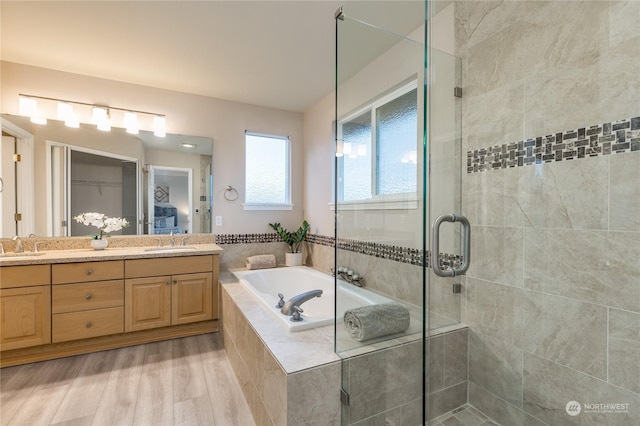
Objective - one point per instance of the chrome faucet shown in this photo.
(172, 239)
(19, 248)
(289, 306)
(1, 248)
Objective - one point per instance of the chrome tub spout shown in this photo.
(298, 300)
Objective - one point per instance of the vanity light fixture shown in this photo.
(101, 115)
(188, 145)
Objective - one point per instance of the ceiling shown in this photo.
(278, 54)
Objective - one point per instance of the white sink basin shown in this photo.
(25, 254)
(170, 249)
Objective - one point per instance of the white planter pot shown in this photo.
(293, 259)
(99, 244)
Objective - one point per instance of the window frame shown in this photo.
(287, 204)
(401, 200)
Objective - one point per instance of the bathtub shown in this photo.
(265, 284)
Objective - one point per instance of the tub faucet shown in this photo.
(288, 308)
(19, 248)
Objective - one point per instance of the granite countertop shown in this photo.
(115, 253)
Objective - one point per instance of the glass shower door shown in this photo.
(379, 208)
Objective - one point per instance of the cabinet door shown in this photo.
(147, 303)
(192, 298)
(25, 317)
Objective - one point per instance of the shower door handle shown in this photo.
(466, 247)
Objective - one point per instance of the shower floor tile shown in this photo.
(464, 416)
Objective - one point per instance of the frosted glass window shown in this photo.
(267, 169)
(356, 170)
(378, 151)
(396, 124)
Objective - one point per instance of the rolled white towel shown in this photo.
(262, 261)
(369, 322)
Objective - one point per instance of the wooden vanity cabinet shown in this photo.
(87, 300)
(64, 309)
(25, 306)
(168, 291)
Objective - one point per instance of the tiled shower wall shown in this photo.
(553, 291)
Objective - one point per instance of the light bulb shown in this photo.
(28, 106)
(131, 122)
(99, 114)
(346, 148)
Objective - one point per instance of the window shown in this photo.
(267, 172)
(378, 155)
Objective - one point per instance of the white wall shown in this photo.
(319, 159)
(223, 121)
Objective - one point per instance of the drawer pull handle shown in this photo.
(89, 271)
(167, 282)
(175, 281)
(89, 324)
(88, 297)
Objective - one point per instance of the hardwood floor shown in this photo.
(186, 381)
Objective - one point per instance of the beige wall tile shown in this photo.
(624, 194)
(569, 194)
(596, 267)
(313, 397)
(447, 400)
(497, 254)
(624, 349)
(496, 367)
(436, 368)
(456, 357)
(273, 388)
(385, 379)
(499, 409)
(548, 387)
(569, 332)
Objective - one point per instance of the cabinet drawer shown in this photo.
(24, 276)
(66, 273)
(85, 324)
(139, 268)
(82, 297)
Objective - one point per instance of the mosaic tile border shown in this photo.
(383, 251)
(247, 238)
(602, 139)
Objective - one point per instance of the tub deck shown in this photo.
(296, 351)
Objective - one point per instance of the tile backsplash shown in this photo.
(602, 139)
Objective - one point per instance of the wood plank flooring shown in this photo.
(186, 381)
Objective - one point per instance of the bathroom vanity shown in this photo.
(69, 302)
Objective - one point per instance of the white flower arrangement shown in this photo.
(103, 223)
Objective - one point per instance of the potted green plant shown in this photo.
(293, 239)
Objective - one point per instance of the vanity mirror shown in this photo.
(158, 184)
